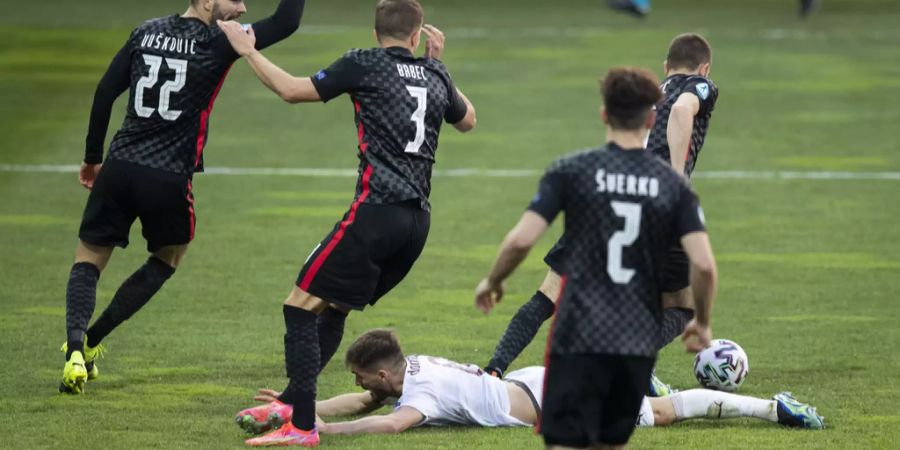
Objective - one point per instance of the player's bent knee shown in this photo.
(551, 286)
(93, 254)
(171, 255)
(299, 298)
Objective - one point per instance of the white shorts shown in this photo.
(645, 417)
(533, 377)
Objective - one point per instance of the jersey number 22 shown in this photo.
(165, 92)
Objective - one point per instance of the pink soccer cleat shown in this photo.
(264, 417)
(287, 435)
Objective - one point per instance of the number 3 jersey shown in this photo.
(400, 102)
(623, 210)
(450, 393)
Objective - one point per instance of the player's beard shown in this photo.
(217, 13)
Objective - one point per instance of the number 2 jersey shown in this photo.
(623, 210)
(450, 393)
(707, 93)
(174, 67)
(400, 102)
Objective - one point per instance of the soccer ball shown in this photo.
(722, 366)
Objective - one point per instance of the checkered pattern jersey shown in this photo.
(176, 73)
(610, 233)
(400, 103)
(672, 88)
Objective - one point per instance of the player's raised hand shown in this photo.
(434, 47)
(696, 337)
(266, 395)
(487, 295)
(243, 42)
(87, 174)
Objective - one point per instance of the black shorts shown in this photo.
(554, 257)
(124, 192)
(676, 274)
(366, 254)
(593, 399)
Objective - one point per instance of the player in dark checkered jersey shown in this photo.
(174, 67)
(400, 102)
(682, 121)
(623, 207)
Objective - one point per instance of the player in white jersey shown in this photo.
(428, 390)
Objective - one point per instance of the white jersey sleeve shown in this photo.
(446, 392)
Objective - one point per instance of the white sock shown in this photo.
(696, 403)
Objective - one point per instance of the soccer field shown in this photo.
(799, 179)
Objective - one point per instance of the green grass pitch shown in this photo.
(809, 267)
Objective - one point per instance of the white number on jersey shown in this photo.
(165, 92)
(623, 238)
(418, 116)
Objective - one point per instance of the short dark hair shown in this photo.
(629, 94)
(375, 349)
(688, 51)
(397, 18)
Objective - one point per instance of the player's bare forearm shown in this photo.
(704, 274)
(468, 122)
(348, 404)
(395, 422)
(517, 244)
(679, 129)
(290, 88)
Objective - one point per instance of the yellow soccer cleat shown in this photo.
(74, 375)
(91, 355)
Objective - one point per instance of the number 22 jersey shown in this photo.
(174, 67)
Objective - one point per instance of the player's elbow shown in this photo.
(395, 427)
(705, 268)
(467, 123)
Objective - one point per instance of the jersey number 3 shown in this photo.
(418, 116)
(179, 66)
(631, 212)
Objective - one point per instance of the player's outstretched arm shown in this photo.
(680, 127)
(290, 88)
(114, 82)
(349, 404)
(513, 250)
(396, 422)
(284, 22)
(341, 405)
(703, 281)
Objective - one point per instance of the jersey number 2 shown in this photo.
(165, 92)
(622, 238)
(418, 116)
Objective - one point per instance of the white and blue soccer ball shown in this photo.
(722, 366)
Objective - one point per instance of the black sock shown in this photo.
(132, 295)
(673, 322)
(330, 325)
(81, 297)
(521, 330)
(301, 358)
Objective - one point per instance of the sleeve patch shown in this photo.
(702, 90)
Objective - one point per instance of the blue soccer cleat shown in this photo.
(792, 413)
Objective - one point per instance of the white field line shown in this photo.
(770, 34)
(489, 173)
